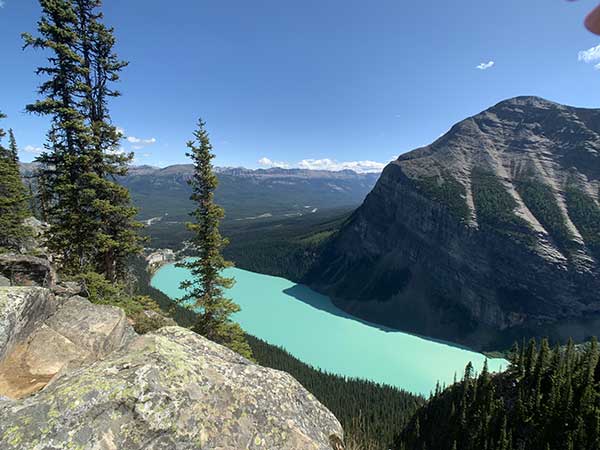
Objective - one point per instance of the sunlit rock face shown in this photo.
(171, 389)
(489, 234)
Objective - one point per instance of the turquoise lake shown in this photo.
(311, 328)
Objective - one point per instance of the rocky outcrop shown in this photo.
(44, 335)
(76, 375)
(25, 270)
(166, 390)
(22, 310)
(488, 234)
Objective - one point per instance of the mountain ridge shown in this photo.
(485, 235)
(246, 194)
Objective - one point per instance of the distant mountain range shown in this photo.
(488, 234)
(246, 194)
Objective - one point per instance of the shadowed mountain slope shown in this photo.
(490, 233)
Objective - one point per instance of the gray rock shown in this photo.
(171, 389)
(96, 330)
(22, 310)
(78, 333)
(4, 282)
(24, 270)
(69, 289)
(34, 243)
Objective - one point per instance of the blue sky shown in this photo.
(315, 83)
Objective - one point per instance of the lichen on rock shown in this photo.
(171, 389)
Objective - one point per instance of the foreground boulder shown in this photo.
(22, 310)
(171, 389)
(78, 333)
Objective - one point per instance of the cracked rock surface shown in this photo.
(171, 389)
(74, 375)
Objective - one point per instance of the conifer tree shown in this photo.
(13, 199)
(204, 292)
(117, 237)
(12, 145)
(63, 162)
(91, 217)
(548, 399)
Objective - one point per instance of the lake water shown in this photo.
(311, 328)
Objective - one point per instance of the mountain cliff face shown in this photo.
(488, 234)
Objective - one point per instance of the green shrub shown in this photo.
(144, 323)
(103, 292)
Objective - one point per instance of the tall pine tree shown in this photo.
(63, 163)
(204, 292)
(13, 199)
(117, 237)
(91, 217)
(12, 144)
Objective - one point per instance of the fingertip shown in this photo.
(592, 21)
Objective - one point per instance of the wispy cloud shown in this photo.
(30, 148)
(591, 55)
(485, 65)
(2, 3)
(327, 164)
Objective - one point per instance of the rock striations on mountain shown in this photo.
(489, 234)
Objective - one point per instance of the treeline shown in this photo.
(284, 248)
(14, 198)
(548, 399)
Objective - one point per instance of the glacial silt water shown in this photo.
(311, 328)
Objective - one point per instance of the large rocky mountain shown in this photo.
(488, 234)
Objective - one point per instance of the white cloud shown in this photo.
(327, 164)
(485, 65)
(30, 148)
(331, 164)
(591, 55)
(266, 162)
(136, 140)
(2, 3)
